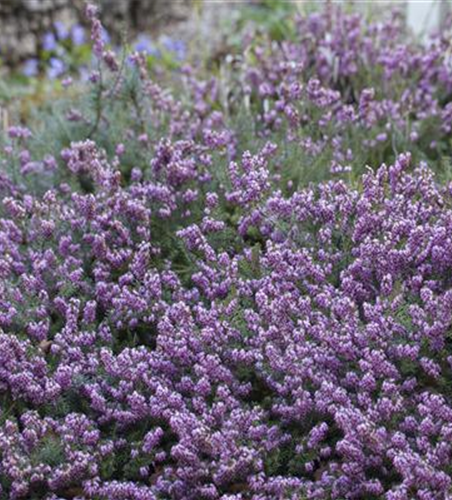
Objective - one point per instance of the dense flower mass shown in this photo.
(184, 318)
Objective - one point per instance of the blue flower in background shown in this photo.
(61, 30)
(56, 68)
(105, 36)
(177, 47)
(49, 41)
(144, 44)
(84, 74)
(30, 67)
(78, 35)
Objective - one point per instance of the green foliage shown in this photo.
(273, 17)
(49, 452)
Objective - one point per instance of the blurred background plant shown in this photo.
(385, 90)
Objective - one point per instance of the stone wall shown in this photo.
(23, 22)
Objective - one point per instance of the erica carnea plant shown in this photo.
(183, 317)
(338, 93)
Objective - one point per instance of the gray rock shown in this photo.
(24, 22)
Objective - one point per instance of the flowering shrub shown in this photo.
(346, 92)
(182, 319)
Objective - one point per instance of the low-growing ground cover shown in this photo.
(185, 314)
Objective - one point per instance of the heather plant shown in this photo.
(183, 316)
(338, 92)
(346, 92)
